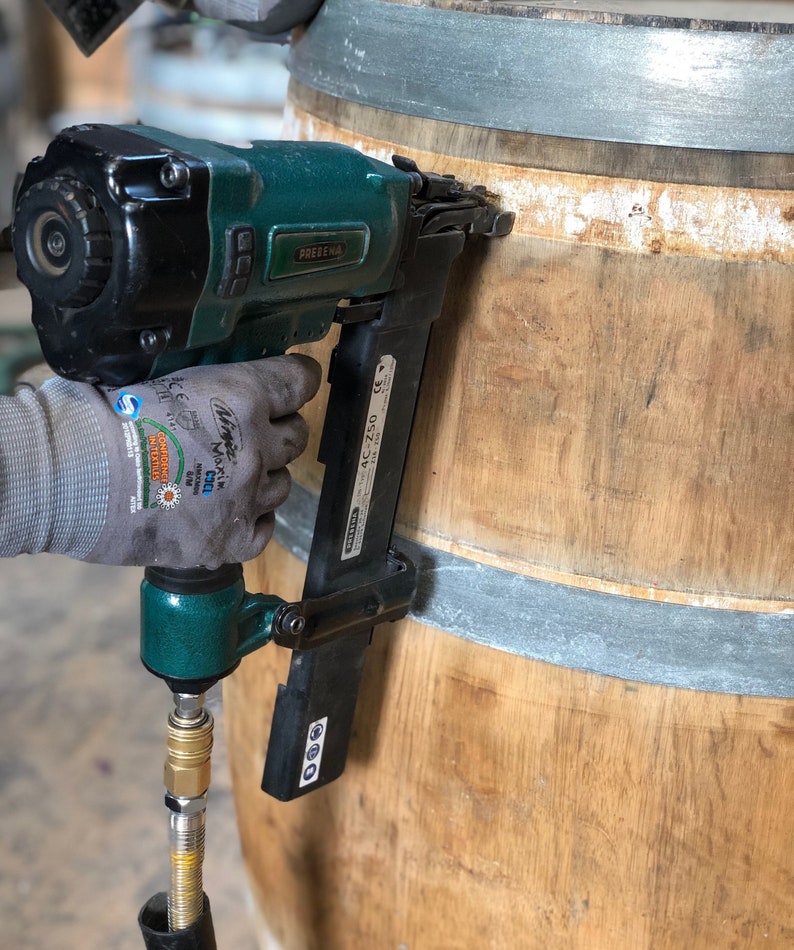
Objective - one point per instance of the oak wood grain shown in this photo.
(609, 414)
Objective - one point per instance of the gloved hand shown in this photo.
(180, 471)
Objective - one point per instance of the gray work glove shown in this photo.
(179, 471)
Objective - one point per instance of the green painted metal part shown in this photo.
(202, 636)
(309, 250)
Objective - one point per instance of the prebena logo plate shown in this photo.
(306, 252)
(322, 251)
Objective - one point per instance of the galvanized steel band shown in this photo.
(726, 89)
(723, 651)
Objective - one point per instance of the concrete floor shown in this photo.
(83, 829)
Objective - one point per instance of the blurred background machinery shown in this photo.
(177, 70)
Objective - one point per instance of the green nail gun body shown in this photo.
(145, 252)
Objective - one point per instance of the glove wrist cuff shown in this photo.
(54, 472)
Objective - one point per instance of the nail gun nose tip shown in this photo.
(503, 223)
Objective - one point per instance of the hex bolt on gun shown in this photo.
(145, 252)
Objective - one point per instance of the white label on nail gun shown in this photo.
(368, 458)
(313, 753)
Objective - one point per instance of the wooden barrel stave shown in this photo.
(608, 384)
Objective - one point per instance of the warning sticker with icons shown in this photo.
(313, 753)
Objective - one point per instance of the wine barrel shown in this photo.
(583, 736)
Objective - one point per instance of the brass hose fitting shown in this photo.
(187, 779)
(189, 747)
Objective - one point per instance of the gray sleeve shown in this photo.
(54, 472)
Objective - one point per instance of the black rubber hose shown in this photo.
(153, 920)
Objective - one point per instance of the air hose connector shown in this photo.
(189, 748)
(187, 779)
